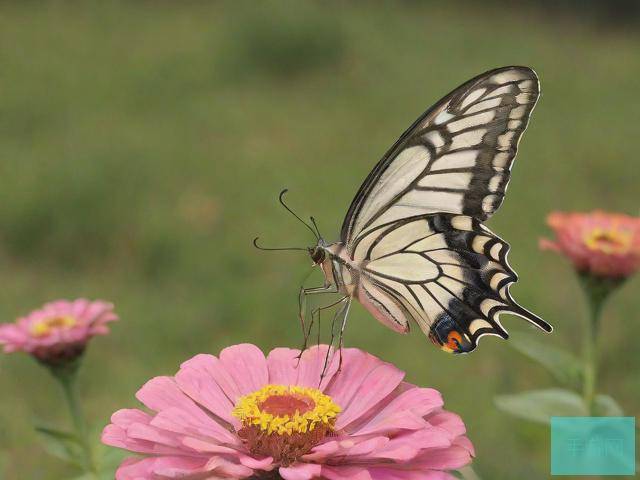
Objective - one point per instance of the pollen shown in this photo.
(44, 327)
(609, 241)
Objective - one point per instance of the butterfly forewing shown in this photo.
(456, 158)
(414, 228)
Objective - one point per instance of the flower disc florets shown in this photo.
(285, 422)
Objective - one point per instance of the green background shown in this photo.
(143, 145)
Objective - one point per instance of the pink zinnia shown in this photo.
(59, 331)
(600, 243)
(242, 415)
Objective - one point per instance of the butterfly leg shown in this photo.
(342, 311)
(302, 305)
(342, 327)
(317, 311)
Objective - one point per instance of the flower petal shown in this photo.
(342, 472)
(300, 471)
(130, 430)
(197, 379)
(151, 467)
(246, 460)
(161, 393)
(312, 364)
(356, 366)
(450, 458)
(134, 468)
(404, 448)
(218, 372)
(465, 443)
(449, 422)
(389, 473)
(12, 337)
(178, 413)
(403, 412)
(363, 383)
(225, 468)
(247, 366)
(183, 422)
(282, 364)
(345, 448)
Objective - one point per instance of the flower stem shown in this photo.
(597, 291)
(66, 375)
(590, 357)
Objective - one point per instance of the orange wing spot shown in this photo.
(454, 340)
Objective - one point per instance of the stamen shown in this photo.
(285, 422)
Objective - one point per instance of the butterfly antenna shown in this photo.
(281, 199)
(255, 244)
(315, 225)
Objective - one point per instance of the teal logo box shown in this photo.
(593, 446)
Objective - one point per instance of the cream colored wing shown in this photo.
(448, 273)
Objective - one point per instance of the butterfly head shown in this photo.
(317, 253)
(446, 335)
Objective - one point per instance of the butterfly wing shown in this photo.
(414, 227)
(455, 158)
(448, 273)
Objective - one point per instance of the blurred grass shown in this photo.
(143, 145)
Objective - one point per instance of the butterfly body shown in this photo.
(340, 273)
(413, 246)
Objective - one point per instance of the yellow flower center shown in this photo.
(285, 410)
(44, 327)
(608, 241)
(285, 422)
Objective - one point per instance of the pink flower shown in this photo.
(59, 331)
(602, 244)
(242, 415)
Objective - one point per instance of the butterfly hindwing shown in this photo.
(456, 158)
(447, 272)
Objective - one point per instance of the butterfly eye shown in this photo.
(317, 255)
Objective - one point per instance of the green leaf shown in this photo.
(56, 433)
(564, 366)
(60, 444)
(541, 405)
(606, 406)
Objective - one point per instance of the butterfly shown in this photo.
(413, 246)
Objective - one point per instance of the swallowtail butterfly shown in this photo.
(413, 246)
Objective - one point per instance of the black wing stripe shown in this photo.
(476, 309)
(440, 189)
